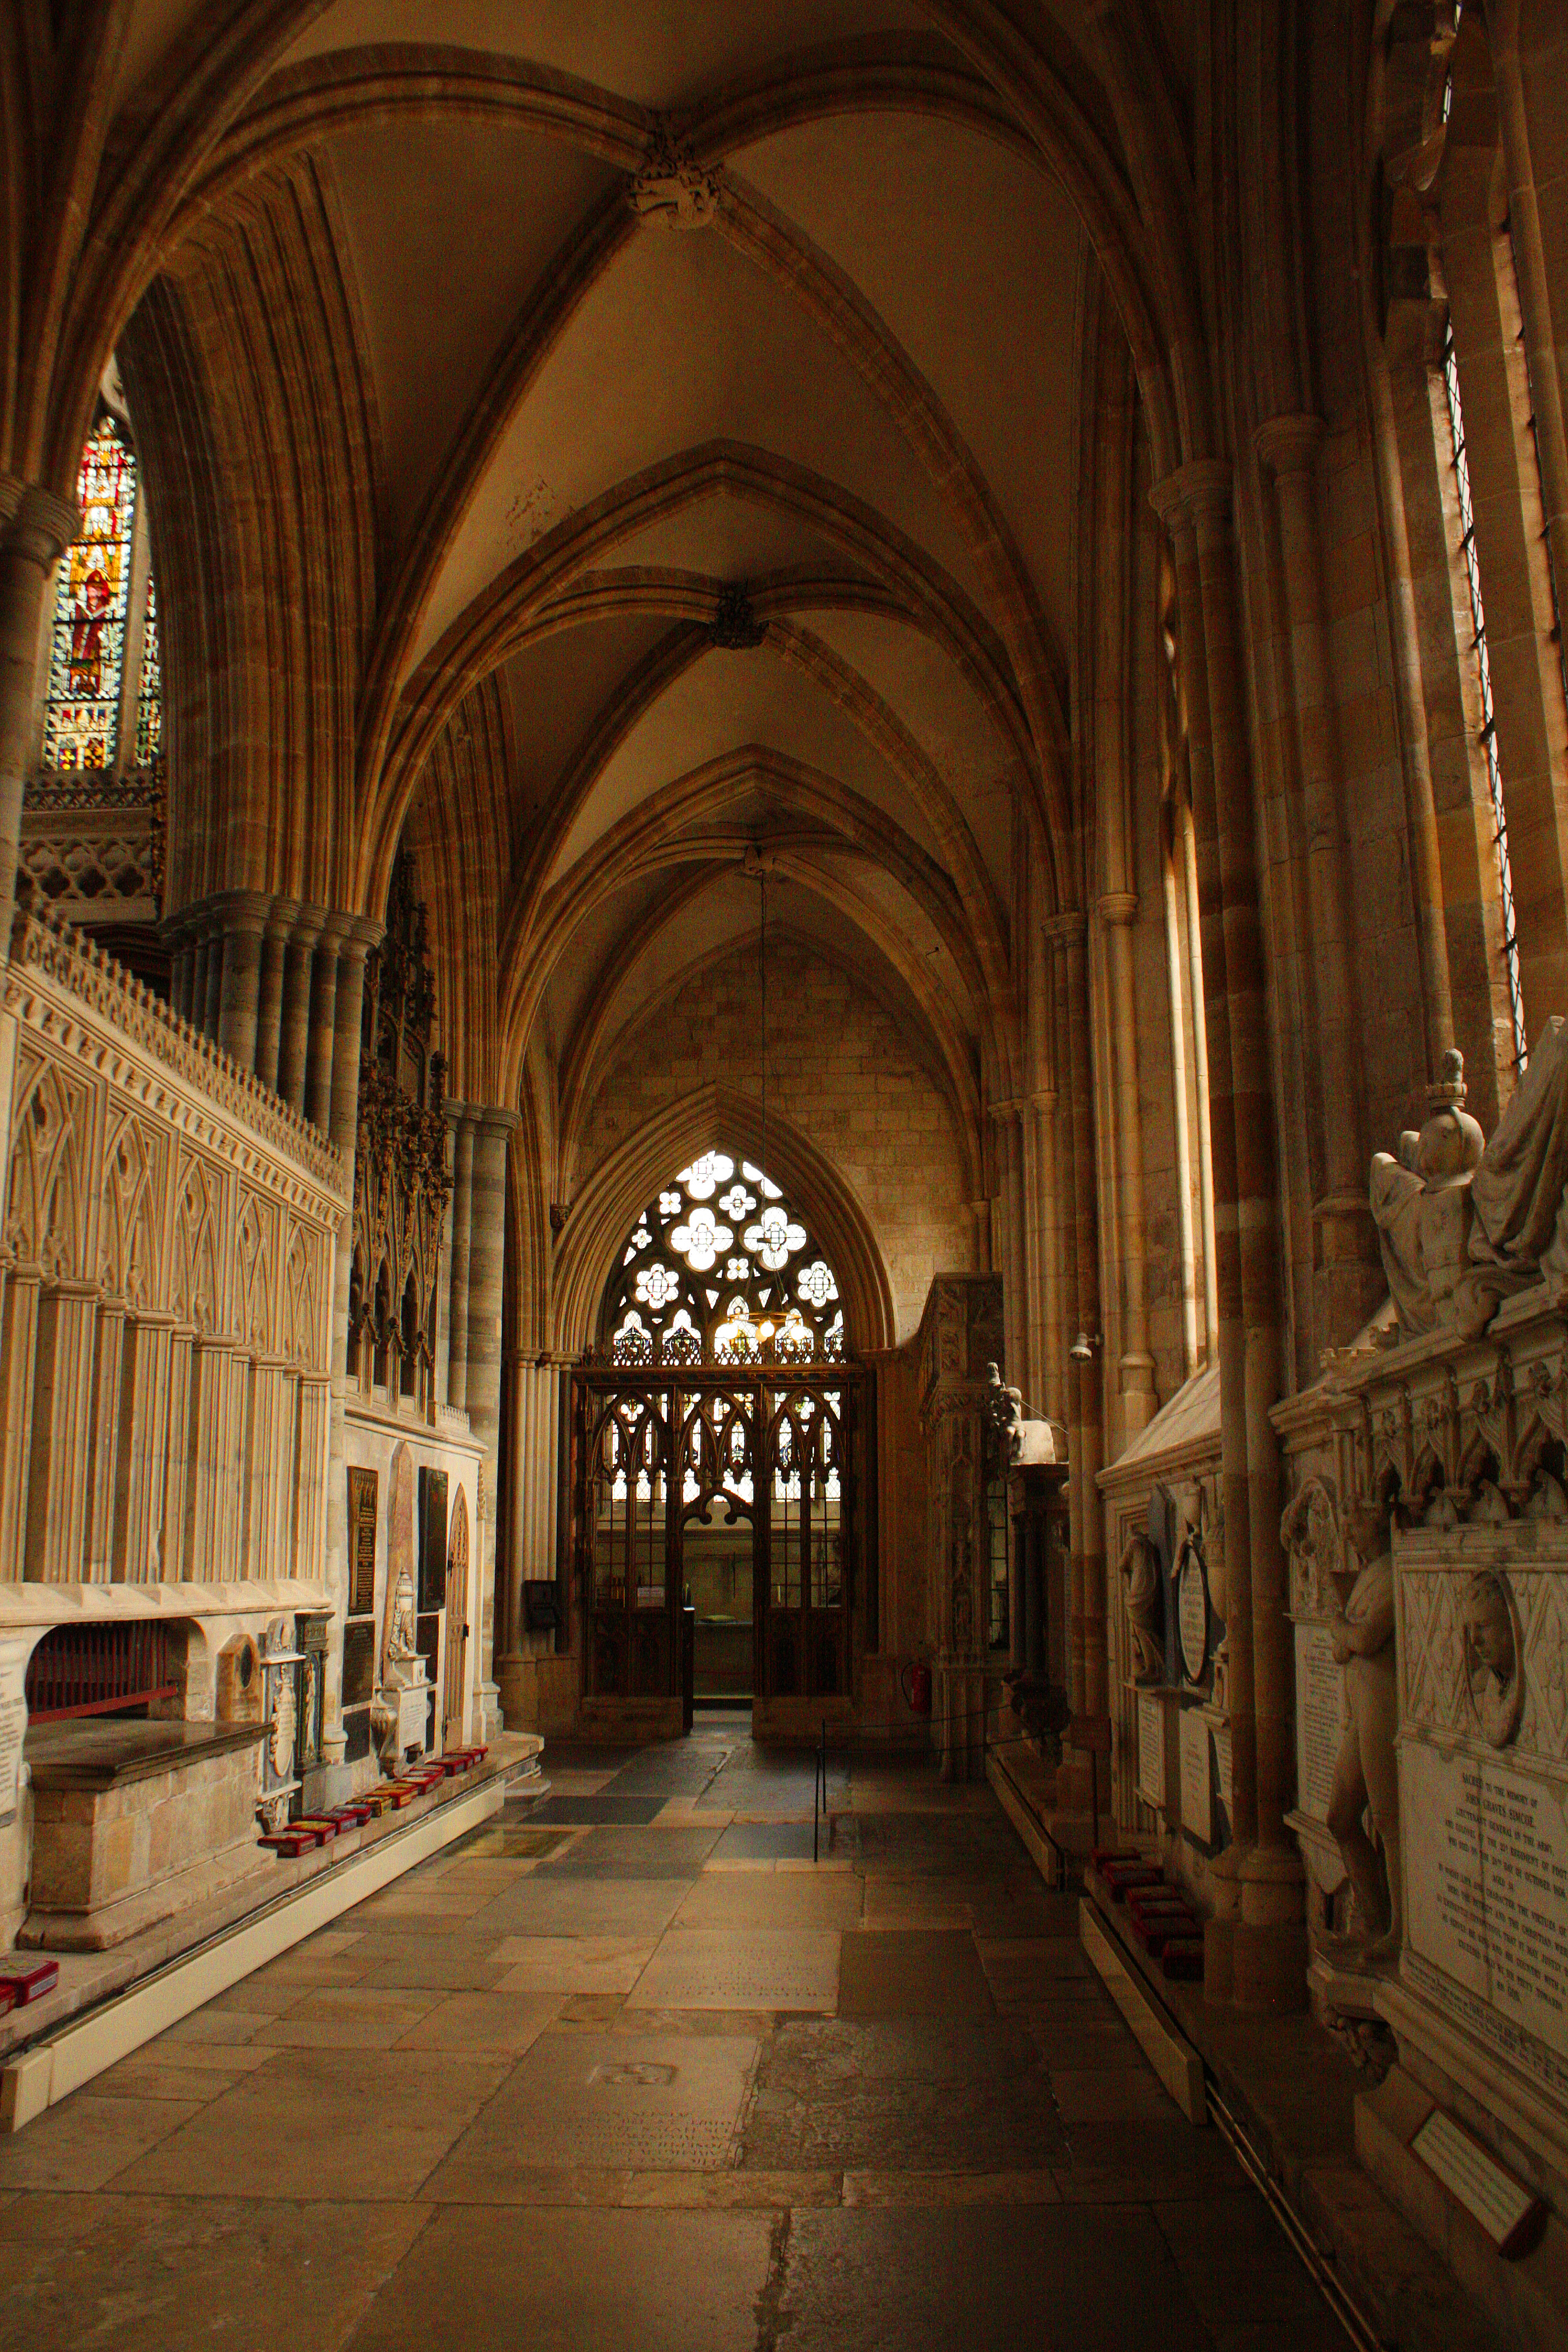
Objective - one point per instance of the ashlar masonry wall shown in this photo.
(838, 1070)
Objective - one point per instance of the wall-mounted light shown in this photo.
(1083, 1347)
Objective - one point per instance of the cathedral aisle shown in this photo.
(626, 2071)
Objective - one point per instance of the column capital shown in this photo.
(358, 937)
(236, 910)
(494, 1119)
(1290, 445)
(38, 523)
(1006, 1109)
(1199, 492)
(282, 914)
(1070, 923)
(1119, 906)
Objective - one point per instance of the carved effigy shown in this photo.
(1025, 1442)
(1464, 1224)
(1140, 1572)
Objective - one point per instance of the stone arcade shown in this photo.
(784, 964)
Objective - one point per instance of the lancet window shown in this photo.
(720, 1269)
(86, 650)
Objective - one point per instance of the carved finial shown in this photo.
(671, 190)
(734, 626)
(1450, 1087)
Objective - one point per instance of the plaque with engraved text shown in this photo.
(361, 1542)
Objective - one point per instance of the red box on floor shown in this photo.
(7, 2000)
(322, 1823)
(288, 1844)
(351, 1817)
(1182, 1959)
(31, 1983)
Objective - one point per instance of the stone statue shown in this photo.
(1490, 1635)
(1365, 1771)
(1309, 1534)
(1145, 1608)
(1464, 1224)
(1027, 1445)
(401, 1645)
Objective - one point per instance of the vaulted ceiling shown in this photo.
(720, 369)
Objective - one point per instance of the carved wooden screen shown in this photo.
(719, 1407)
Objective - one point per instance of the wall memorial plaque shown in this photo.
(361, 1542)
(1487, 1894)
(1319, 1719)
(359, 1662)
(1511, 2214)
(1152, 1748)
(1222, 1766)
(1193, 1620)
(13, 1723)
(1197, 1776)
(432, 1538)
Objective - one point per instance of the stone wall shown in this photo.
(838, 1069)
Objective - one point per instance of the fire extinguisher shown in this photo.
(915, 1683)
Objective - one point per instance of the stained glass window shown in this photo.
(87, 648)
(719, 1269)
(150, 694)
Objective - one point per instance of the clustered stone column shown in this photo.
(475, 1272)
(1349, 1284)
(536, 1403)
(1258, 1938)
(273, 983)
(35, 527)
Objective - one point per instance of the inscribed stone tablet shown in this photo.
(1151, 1747)
(1499, 2203)
(361, 1542)
(1487, 1871)
(1193, 1620)
(1319, 1719)
(1198, 1779)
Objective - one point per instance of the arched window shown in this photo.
(719, 1269)
(87, 652)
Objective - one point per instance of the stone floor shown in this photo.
(625, 2071)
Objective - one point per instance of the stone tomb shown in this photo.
(128, 1815)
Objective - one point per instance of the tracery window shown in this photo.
(87, 648)
(719, 1269)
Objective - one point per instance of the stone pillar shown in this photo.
(269, 993)
(534, 1398)
(1084, 1786)
(486, 1267)
(1257, 1935)
(1351, 1283)
(460, 1120)
(106, 1431)
(294, 1026)
(1119, 910)
(61, 1450)
(242, 914)
(21, 1290)
(36, 527)
(319, 1095)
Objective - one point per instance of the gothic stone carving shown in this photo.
(1140, 1569)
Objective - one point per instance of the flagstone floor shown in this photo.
(627, 2070)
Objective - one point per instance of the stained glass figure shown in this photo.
(680, 1298)
(87, 652)
(150, 698)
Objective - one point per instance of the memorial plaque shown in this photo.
(1152, 1748)
(14, 1659)
(1486, 1853)
(432, 1538)
(1319, 1719)
(359, 1662)
(361, 1542)
(1197, 1777)
(1510, 2213)
(1193, 1620)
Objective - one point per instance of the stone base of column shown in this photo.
(1254, 1946)
(489, 1723)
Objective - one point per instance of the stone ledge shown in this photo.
(1287, 2084)
(103, 1756)
(260, 1908)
